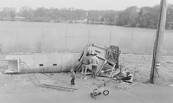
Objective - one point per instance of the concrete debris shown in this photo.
(93, 60)
(124, 76)
(40, 63)
(108, 60)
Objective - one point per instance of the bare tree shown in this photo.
(9, 13)
(26, 12)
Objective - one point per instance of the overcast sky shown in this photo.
(81, 4)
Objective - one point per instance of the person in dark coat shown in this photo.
(72, 77)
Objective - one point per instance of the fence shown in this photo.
(75, 37)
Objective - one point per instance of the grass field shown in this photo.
(53, 37)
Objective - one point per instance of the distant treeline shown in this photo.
(146, 17)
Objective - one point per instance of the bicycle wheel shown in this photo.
(105, 92)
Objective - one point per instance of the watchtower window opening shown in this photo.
(54, 64)
(40, 65)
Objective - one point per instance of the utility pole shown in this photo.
(154, 75)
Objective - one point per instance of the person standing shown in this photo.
(95, 63)
(72, 77)
(85, 62)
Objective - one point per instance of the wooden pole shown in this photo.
(154, 75)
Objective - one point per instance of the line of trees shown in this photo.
(146, 17)
(42, 14)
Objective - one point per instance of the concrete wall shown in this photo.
(49, 62)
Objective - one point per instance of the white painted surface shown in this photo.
(64, 61)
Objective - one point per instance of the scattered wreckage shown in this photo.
(108, 60)
(62, 62)
(47, 63)
(108, 65)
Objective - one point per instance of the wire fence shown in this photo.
(138, 41)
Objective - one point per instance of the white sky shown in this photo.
(81, 4)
